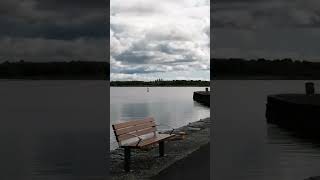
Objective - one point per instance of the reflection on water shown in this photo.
(172, 106)
(293, 143)
(246, 147)
(53, 129)
(139, 109)
(77, 154)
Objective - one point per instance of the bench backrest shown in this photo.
(127, 130)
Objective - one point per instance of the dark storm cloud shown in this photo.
(55, 24)
(261, 14)
(48, 30)
(53, 19)
(82, 4)
(261, 28)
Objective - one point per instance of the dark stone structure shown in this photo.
(314, 178)
(299, 112)
(309, 88)
(202, 97)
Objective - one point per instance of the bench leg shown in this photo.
(161, 148)
(127, 157)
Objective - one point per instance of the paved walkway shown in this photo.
(196, 166)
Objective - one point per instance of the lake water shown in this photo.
(171, 106)
(57, 129)
(246, 147)
(53, 129)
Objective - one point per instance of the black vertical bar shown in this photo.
(161, 148)
(127, 159)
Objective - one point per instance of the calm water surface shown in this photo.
(172, 106)
(246, 147)
(53, 129)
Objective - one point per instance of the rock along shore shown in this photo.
(146, 164)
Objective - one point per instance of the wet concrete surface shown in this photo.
(195, 166)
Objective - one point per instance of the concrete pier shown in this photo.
(202, 97)
(299, 112)
(314, 178)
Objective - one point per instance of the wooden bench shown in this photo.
(137, 134)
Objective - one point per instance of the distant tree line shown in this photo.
(55, 70)
(233, 68)
(236, 68)
(159, 82)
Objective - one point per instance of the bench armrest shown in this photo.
(140, 139)
(167, 126)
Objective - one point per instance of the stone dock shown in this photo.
(299, 112)
(202, 97)
(147, 164)
(314, 178)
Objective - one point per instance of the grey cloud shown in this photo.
(164, 39)
(37, 49)
(268, 43)
(266, 29)
(135, 70)
(131, 57)
(52, 31)
(44, 30)
(266, 14)
(71, 4)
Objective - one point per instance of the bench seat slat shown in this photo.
(131, 123)
(134, 128)
(137, 133)
(149, 141)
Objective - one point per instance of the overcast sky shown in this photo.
(153, 39)
(53, 30)
(266, 29)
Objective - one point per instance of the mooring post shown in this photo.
(309, 88)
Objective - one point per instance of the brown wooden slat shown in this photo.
(138, 133)
(131, 123)
(155, 139)
(135, 128)
(149, 141)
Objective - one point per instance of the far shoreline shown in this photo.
(40, 78)
(159, 86)
(264, 78)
